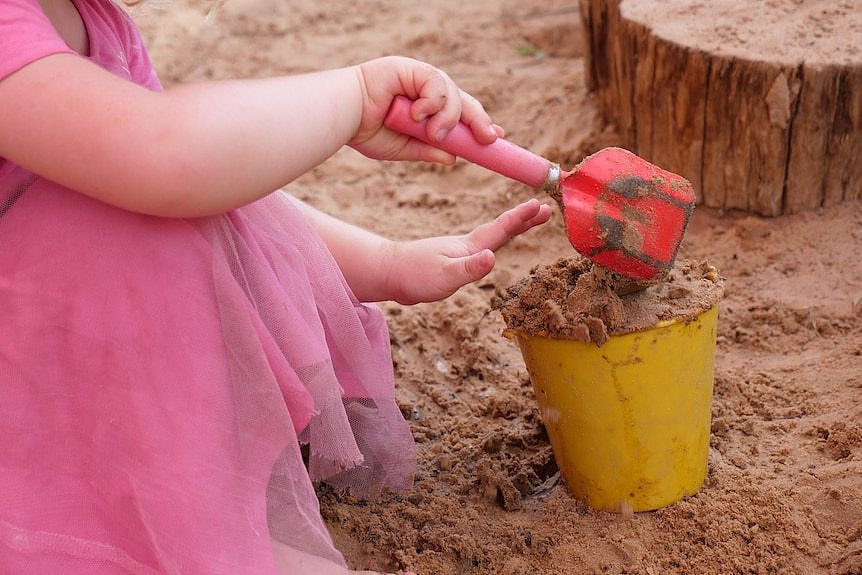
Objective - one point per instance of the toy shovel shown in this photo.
(619, 210)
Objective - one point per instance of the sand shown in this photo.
(784, 490)
(574, 299)
(816, 32)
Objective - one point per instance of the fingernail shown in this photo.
(441, 134)
(492, 131)
(421, 117)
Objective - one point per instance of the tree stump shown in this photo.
(758, 104)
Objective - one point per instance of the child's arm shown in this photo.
(422, 270)
(207, 147)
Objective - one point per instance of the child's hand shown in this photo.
(435, 96)
(431, 269)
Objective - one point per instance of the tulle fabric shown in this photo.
(158, 377)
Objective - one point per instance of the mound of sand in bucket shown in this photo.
(623, 376)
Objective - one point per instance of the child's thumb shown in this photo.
(478, 265)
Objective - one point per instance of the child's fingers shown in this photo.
(494, 235)
(389, 145)
(529, 214)
(439, 101)
(441, 123)
(441, 281)
(444, 104)
(473, 267)
(462, 107)
(474, 114)
(458, 272)
(417, 150)
(540, 218)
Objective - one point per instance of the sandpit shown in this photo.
(784, 489)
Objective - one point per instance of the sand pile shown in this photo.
(784, 491)
(574, 299)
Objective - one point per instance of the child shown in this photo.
(172, 330)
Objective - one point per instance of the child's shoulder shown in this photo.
(26, 34)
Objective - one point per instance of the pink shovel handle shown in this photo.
(501, 156)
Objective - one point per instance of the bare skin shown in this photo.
(68, 24)
(60, 116)
(427, 269)
(70, 121)
(195, 134)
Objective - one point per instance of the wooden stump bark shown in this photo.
(758, 104)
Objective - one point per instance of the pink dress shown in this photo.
(157, 376)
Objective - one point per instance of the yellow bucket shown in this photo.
(629, 420)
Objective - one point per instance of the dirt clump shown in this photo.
(574, 299)
(784, 489)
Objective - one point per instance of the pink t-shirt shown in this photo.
(27, 35)
(158, 374)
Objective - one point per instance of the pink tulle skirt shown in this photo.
(158, 377)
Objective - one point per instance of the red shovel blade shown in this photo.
(620, 211)
(625, 213)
